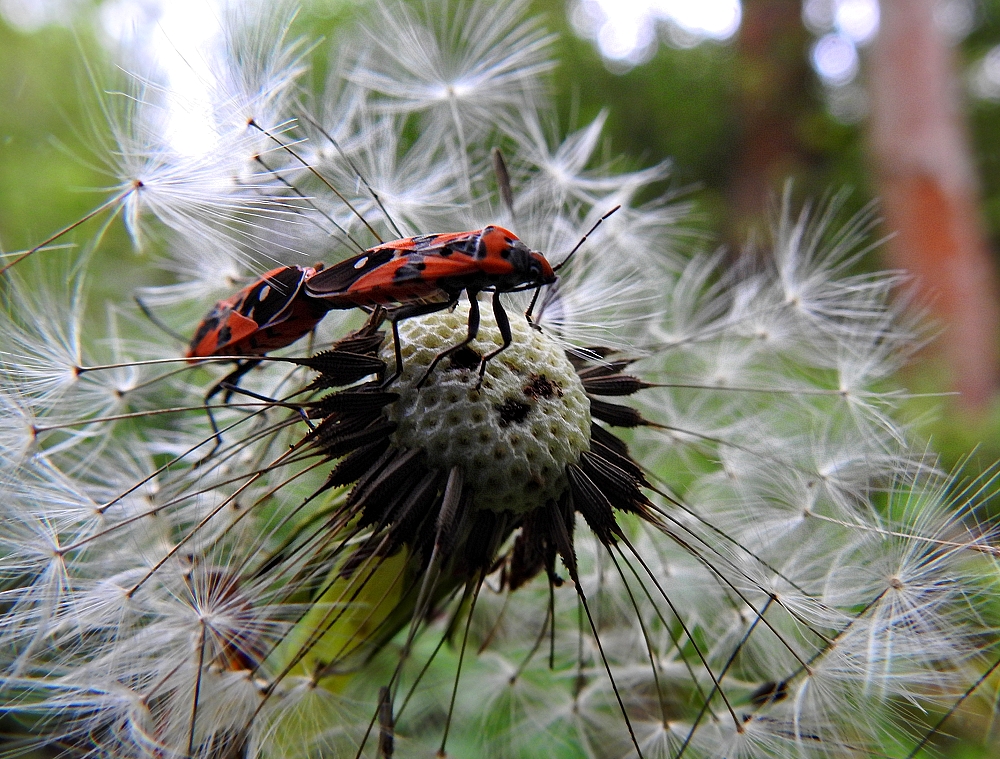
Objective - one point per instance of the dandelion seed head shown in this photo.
(761, 564)
(516, 433)
(488, 61)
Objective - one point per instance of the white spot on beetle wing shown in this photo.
(264, 292)
(361, 263)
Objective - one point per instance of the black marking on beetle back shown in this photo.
(481, 251)
(339, 278)
(272, 296)
(512, 411)
(409, 271)
(424, 240)
(469, 247)
(210, 323)
(542, 387)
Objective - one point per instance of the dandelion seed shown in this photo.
(478, 64)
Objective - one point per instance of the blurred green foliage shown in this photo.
(985, 116)
(52, 134)
(43, 122)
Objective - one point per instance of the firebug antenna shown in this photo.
(583, 239)
(557, 267)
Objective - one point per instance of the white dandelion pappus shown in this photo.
(695, 529)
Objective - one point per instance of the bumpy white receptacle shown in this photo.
(514, 435)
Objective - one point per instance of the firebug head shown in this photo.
(529, 267)
(540, 269)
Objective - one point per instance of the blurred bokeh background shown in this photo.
(896, 100)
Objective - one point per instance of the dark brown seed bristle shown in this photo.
(616, 415)
(616, 384)
(349, 401)
(338, 368)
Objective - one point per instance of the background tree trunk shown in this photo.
(773, 85)
(929, 191)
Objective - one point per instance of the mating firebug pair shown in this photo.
(411, 276)
(404, 278)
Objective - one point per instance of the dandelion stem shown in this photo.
(82, 220)
(321, 178)
(461, 659)
(564, 538)
(969, 546)
(357, 172)
(953, 708)
(142, 415)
